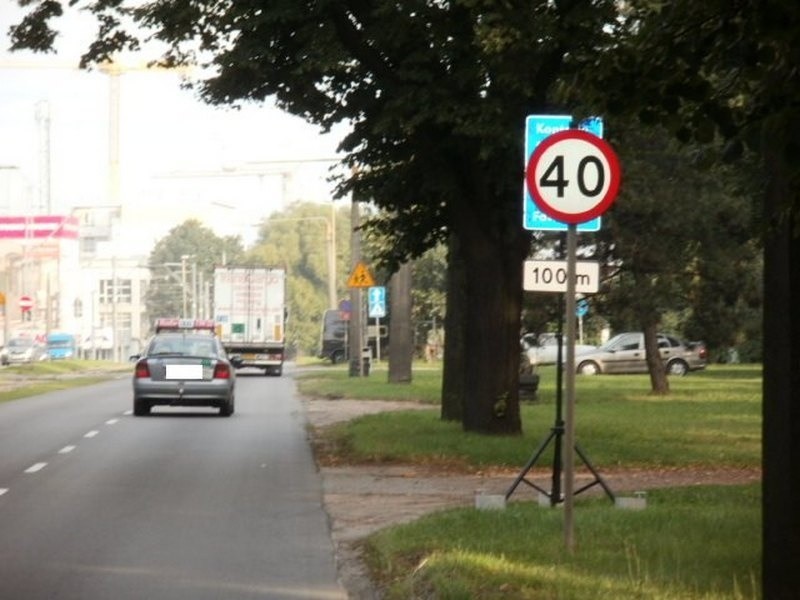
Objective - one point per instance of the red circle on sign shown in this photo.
(26, 303)
(580, 146)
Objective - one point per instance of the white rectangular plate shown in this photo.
(184, 371)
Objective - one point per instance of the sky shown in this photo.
(178, 157)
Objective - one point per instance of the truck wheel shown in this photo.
(337, 357)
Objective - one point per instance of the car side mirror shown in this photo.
(236, 360)
(134, 357)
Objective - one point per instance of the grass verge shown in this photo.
(699, 542)
(690, 543)
(711, 418)
(20, 381)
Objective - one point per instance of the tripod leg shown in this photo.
(555, 494)
(598, 478)
(530, 464)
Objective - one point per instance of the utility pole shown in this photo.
(355, 333)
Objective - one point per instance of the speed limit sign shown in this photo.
(573, 176)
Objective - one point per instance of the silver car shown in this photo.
(542, 349)
(24, 350)
(625, 353)
(184, 366)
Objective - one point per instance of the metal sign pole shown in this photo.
(569, 431)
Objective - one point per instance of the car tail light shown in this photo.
(702, 353)
(142, 370)
(222, 371)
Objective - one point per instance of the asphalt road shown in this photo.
(98, 504)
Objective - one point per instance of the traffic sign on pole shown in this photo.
(573, 176)
(360, 277)
(551, 276)
(25, 303)
(376, 301)
(537, 129)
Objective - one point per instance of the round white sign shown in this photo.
(573, 176)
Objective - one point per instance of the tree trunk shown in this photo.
(491, 326)
(659, 383)
(781, 397)
(455, 325)
(401, 346)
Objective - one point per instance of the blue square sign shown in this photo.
(537, 128)
(376, 300)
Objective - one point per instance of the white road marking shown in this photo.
(36, 467)
(3, 491)
(66, 449)
(112, 421)
(91, 434)
(128, 413)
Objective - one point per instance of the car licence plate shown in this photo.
(184, 372)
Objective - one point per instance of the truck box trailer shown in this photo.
(250, 315)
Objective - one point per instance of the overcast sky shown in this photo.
(172, 146)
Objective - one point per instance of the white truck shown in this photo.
(250, 315)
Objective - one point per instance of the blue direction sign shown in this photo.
(376, 300)
(537, 128)
(582, 307)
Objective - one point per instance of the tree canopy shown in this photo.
(179, 264)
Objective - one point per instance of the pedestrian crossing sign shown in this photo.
(360, 277)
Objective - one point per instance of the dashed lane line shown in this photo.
(36, 467)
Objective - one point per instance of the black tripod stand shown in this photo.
(555, 436)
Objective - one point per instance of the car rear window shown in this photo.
(186, 345)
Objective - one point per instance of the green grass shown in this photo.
(710, 418)
(700, 542)
(335, 382)
(20, 381)
(689, 543)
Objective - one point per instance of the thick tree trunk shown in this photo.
(491, 325)
(401, 348)
(455, 324)
(659, 384)
(781, 398)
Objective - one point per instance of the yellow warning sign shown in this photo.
(360, 277)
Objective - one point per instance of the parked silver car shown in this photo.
(24, 350)
(542, 349)
(625, 353)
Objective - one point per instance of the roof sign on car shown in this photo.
(174, 324)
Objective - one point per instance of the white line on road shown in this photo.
(91, 433)
(66, 449)
(112, 421)
(36, 467)
(128, 413)
(3, 491)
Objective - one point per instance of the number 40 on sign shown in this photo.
(573, 176)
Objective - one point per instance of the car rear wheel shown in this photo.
(588, 368)
(226, 410)
(141, 408)
(677, 368)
